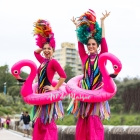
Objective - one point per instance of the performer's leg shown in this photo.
(81, 129)
(28, 130)
(95, 128)
(45, 131)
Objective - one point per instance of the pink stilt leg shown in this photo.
(89, 128)
(45, 131)
(81, 129)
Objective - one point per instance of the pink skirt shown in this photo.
(89, 128)
(46, 131)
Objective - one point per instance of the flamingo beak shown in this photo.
(20, 79)
(113, 75)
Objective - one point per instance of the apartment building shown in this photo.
(68, 55)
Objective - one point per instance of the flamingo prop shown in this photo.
(28, 89)
(106, 92)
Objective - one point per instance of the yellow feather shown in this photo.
(96, 79)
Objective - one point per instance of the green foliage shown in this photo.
(10, 103)
(127, 97)
(6, 77)
(3, 76)
(14, 91)
(123, 119)
(67, 120)
(24, 75)
(6, 100)
(7, 110)
(69, 72)
(1, 113)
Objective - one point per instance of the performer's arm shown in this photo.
(38, 56)
(61, 73)
(81, 48)
(102, 22)
(104, 47)
(57, 68)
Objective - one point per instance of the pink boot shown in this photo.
(89, 128)
(44, 131)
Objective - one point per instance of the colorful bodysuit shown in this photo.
(89, 126)
(45, 115)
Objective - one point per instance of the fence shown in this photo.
(110, 132)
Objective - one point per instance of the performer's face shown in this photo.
(92, 46)
(48, 51)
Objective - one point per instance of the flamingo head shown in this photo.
(116, 63)
(15, 70)
(27, 86)
(117, 66)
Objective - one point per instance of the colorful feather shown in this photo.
(43, 32)
(88, 27)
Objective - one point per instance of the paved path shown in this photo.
(11, 135)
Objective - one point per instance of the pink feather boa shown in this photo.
(40, 41)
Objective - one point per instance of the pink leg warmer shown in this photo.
(89, 128)
(45, 131)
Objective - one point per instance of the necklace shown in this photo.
(93, 55)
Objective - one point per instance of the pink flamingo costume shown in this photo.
(45, 127)
(47, 104)
(89, 126)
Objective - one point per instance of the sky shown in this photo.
(122, 28)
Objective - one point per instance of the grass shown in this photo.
(67, 120)
(116, 119)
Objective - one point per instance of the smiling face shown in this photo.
(92, 46)
(48, 51)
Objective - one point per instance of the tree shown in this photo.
(7, 78)
(69, 72)
(11, 102)
(14, 91)
(6, 100)
(3, 76)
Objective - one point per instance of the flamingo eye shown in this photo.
(15, 72)
(115, 67)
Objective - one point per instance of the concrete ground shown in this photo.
(12, 135)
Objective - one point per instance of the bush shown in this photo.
(123, 119)
(1, 113)
(67, 120)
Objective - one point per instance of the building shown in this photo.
(68, 55)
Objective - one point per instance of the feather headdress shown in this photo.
(43, 32)
(88, 27)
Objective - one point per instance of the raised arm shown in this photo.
(75, 23)
(38, 56)
(82, 52)
(81, 48)
(104, 47)
(102, 22)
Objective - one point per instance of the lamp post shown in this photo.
(5, 88)
(5, 84)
